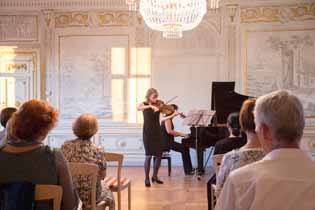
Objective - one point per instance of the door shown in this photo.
(17, 78)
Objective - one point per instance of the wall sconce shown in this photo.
(232, 10)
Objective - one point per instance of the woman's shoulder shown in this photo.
(70, 142)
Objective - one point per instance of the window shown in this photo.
(129, 86)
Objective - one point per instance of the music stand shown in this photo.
(196, 119)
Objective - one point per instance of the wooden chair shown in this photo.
(49, 192)
(117, 184)
(167, 156)
(90, 170)
(216, 161)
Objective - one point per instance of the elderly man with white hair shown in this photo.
(285, 178)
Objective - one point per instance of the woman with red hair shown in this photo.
(24, 157)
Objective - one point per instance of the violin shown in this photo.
(167, 109)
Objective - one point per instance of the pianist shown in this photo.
(169, 135)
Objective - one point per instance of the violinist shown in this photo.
(170, 144)
(152, 134)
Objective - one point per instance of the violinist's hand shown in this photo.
(155, 109)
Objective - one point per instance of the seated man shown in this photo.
(5, 115)
(284, 178)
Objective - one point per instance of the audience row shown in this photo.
(24, 157)
(270, 171)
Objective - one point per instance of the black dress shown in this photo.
(152, 134)
(171, 144)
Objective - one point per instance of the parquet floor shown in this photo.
(179, 192)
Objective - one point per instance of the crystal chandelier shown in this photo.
(172, 17)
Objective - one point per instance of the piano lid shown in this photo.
(225, 100)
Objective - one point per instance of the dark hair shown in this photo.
(234, 123)
(6, 114)
(247, 116)
(175, 106)
(33, 121)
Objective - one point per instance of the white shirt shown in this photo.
(283, 180)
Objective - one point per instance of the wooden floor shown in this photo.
(179, 192)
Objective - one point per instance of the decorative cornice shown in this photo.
(299, 12)
(92, 19)
(63, 4)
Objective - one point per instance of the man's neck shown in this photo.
(286, 146)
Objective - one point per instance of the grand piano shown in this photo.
(224, 101)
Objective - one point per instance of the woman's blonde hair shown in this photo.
(150, 92)
(85, 126)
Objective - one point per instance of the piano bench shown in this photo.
(167, 156)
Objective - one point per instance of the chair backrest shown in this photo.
(216, 161)
(49, 192)
(90, 170)
(115, 157)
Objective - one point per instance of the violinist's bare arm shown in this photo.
(171, 131)
(142, 107)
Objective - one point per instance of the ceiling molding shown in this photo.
(62, 4)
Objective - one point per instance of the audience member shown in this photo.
(234, 140)
(283, 179)
(25, 158)
(249, 153)
(5, 115)
(83, 150)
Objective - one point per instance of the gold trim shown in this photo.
(266, 14)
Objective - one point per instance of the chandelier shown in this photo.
(172, 17)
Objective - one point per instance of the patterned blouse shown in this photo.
(234, 160)
(84, 151)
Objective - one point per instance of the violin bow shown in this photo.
(172, 99)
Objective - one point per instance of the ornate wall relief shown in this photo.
(86, 74)
(18, 28)
(70, 19)
(278, 13)
(281, 59)
(114, 18)
(92, 19)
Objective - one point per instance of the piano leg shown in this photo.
(200, 162)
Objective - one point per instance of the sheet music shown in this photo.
(198, 117)
(206, 117)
